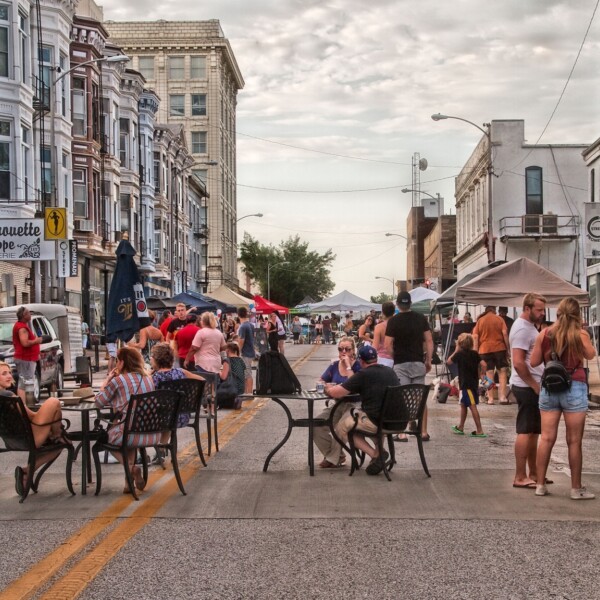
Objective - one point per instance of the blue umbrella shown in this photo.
(127, 311)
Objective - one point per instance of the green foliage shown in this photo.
(304, 273)
(381, 298)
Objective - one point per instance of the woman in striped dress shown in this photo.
(128, 378)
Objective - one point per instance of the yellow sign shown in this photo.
(55, 224)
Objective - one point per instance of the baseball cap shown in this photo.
(404, 299)
(367, 353)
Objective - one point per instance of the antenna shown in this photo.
(423, 164)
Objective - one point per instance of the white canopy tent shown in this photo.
(344, 301)
(422, 293)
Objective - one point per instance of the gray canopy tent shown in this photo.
(506, 284)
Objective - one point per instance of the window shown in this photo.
(124, 141)
(146, 66)
(25, 157)
(46, 163)
(80, 193)
(4, 40)
(201, 174)
(198, 67)
(64, 66)
(198, 105)
(198, 142)
(157, 172)
(79, 108)
(125, 205)
(176, 67)
(534, 201)
(177, 104)
(24, 46)
(5, 150)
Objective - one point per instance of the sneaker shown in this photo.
(581, 494)
(542, 490)
(376, 465)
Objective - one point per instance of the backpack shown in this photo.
(555, 378)
(275, 376)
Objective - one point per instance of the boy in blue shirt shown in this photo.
(470, 368)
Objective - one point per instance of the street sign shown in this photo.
(63, 256)
(73, 266)
(55, 223)
(591, 230)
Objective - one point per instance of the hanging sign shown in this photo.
(23, 239)
(591, 230)
(63, 257)
(55, 220)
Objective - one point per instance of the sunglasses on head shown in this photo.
(344, 349)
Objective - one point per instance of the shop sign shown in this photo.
(591, 231)
(23, 239)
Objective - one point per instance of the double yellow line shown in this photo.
(78, 577)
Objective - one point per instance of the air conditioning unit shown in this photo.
(550, 224)
(84, 225)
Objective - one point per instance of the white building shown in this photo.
(591, 156)
(533, 208)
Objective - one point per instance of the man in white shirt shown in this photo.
(525, 385)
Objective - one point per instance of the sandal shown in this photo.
(19, 477)
(328, 465)
(138, 478)
(458, 431)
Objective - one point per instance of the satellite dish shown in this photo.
(423, 164)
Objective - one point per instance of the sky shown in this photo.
(338, 99)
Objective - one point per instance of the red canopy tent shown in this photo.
(264, 306)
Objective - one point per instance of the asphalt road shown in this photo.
(242, 533)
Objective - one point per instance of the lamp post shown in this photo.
(259, 215)
(490, 233)
(390, 280)
(414, 252)
(269, 267)
(406, 190)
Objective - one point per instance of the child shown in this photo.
(470, 366)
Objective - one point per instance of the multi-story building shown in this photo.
(591, 156)
(34, 41)
(438, 249)
(192, 68)
(515, 199)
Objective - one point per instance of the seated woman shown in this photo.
(337, 372)
(46, 426)
(161, 361)
(235, 365)
(127, 379)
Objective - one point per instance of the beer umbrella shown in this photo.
(127, 311)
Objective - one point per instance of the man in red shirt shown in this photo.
(184, 337)
(165, 324)
(27, 349)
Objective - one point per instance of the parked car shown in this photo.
(61, 358)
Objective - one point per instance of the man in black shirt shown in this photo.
(370, 383)
(408, 339)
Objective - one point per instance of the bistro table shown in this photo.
(84, 408)
(309, 397)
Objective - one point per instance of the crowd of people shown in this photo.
(392, 348)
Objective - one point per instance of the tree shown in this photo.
(381, 298)
(296, 271)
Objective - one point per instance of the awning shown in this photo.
(262, 305)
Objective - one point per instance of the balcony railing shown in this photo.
(546, 226)
(201, 231)
(41, 100)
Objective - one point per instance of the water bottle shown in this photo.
(28, 386)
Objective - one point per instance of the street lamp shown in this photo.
(391, 281)
(269, 267)
(260, 215)
(406, 190)
(396, 234)
(490, 233)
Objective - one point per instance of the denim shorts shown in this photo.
(573, 400)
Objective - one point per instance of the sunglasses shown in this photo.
(344, 349)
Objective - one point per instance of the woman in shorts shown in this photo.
(572, 346)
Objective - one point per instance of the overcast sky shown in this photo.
(352, 86)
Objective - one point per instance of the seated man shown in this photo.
(370, 383)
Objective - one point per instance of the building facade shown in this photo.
(515, 199)
(591, 156)
(192, 68)
(439, 248)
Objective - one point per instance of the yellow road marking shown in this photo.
(75, 581)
